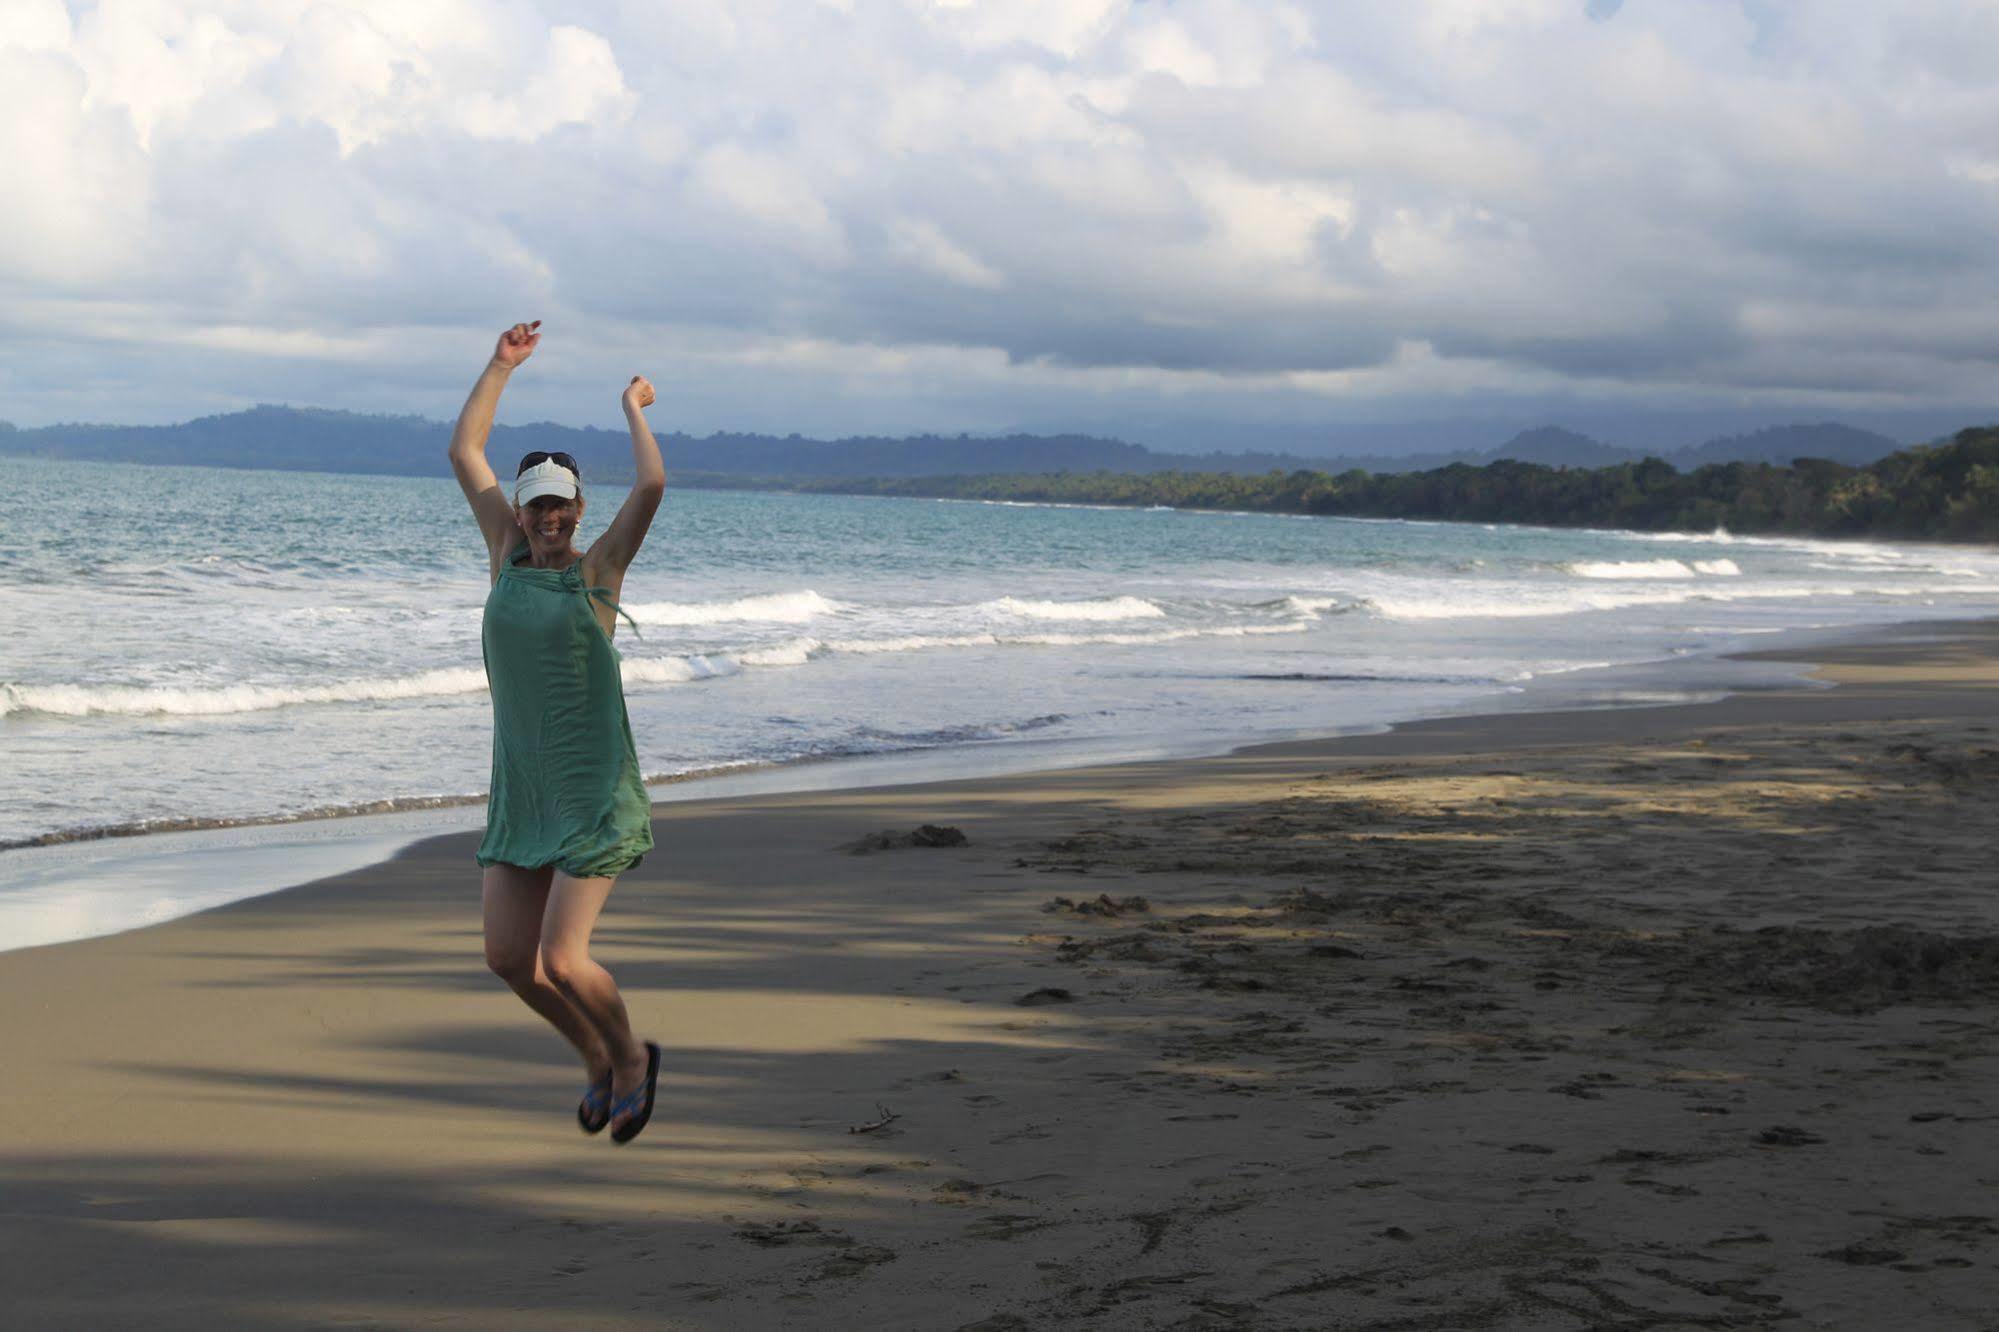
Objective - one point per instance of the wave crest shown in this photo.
(1107, 608)
(674, 670)
(1312, 607)
(62, 700)
(1635, 569)
(795, 653)
(770, 608)
(65, 700)
(1623, 569)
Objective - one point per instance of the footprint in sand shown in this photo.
(1788, 1135)
(785, 1234)
(957, 1191)
(1028, 1133)
(1859, 1255)
(1006, 1226)
(942, 1075)
(852, 1262)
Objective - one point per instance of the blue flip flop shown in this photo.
(593, 1112)
(638, 1104)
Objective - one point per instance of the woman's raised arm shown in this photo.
(489, 502)
(621, 540)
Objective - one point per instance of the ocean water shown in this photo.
(189, 647)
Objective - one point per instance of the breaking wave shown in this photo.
(770, 608)
(1109, 608)
(1632, 569)
(61, 700)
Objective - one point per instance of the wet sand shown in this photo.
(1654, 1018)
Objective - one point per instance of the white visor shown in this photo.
(545, 478)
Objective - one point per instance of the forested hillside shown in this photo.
(1948, 493)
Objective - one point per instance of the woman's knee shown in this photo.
(511, 963)
(562, 966)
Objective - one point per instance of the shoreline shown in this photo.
(412, 803)
(1679, 1015)
(101, 882)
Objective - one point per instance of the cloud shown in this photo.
(923, 245)
(963, 213)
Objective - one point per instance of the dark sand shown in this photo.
(1659, 1018)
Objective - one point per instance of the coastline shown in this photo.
(1659, 1015)
(62, 888)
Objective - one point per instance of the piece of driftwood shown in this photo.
(886, 1117)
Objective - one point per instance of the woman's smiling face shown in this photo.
(550, 522)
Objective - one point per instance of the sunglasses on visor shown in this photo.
(540, 456)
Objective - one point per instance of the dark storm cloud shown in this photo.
(1679, 343)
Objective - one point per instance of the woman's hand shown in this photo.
(639, 394)
(516, 345)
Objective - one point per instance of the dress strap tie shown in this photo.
(604, 595)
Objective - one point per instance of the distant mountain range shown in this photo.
(310, 439)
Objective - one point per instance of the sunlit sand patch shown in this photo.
(815, 1022)
(231, 1231)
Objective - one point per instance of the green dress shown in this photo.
(566, 787)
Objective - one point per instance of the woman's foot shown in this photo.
(593, 1112)
(632, 1109)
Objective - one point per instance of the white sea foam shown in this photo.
(62, 700)
(1314, 607)
(1513, 603)
(927, 642)
(1023, 504)
(772, 608)
(1496, 601)
(674, 670)
(910, 643)
(1651, 569)
(1720, 536)
(1525, 602)
(795, 653)
(1109, 608)
(1144, 640)
(1627, 569)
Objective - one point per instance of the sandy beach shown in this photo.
(1652, 1018)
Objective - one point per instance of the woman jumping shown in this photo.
(568, 812)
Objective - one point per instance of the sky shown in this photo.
(1203, 222)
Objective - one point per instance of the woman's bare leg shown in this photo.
(515, 901)
(573, 907)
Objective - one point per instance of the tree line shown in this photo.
(1945, 492)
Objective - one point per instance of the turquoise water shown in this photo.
(187, 646)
